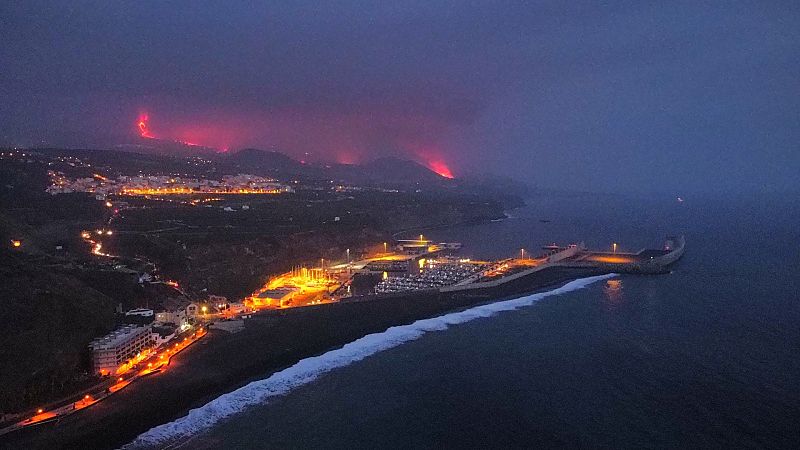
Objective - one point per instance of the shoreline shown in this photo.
(269, 343)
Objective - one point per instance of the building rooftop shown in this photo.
(118, 336)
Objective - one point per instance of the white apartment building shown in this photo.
(119, 346)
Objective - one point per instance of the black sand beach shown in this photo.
(270, 341)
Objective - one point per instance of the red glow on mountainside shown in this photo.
(346, 157)
(142, 125)
(441, 168)
(430, 155)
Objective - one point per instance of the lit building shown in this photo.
(118, 347)
(141, 312)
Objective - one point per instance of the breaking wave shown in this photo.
(309, 369)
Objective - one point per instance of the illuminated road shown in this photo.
(158, 362)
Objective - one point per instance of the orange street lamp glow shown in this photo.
(39, 411)
(16, 243)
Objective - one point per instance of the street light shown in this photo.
(384, 247)
(614, 245)
(348, 256)
(522, 253)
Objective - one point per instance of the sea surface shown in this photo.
(707, 356)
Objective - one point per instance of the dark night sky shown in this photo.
(618, 96)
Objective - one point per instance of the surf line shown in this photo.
(309, 369)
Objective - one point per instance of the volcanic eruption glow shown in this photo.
(440, 168)
(343, 146)
(142, 125)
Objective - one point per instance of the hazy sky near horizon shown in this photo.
(611, 96)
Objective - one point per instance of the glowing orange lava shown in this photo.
(142, 124)
(441, 168)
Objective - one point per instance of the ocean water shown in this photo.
(707, 356)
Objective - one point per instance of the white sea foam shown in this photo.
(307, 370)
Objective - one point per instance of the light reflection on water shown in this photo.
(613, 292)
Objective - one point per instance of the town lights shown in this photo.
(39, 411)
(109, 205)
(16, 243)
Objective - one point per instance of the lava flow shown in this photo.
(440, 168)
(142, 124)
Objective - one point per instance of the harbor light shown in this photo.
(16, 243)
(39, 411)
(614, 246)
